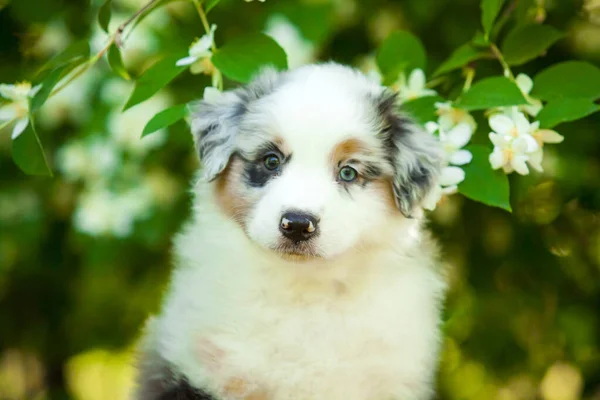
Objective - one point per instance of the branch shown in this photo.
(117, 36)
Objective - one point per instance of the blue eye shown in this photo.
(272, 162)
(348, 174)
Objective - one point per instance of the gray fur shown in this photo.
(215, 124)
(414, 153)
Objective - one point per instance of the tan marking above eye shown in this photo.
(348, 149)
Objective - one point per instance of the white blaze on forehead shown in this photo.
(312, 112)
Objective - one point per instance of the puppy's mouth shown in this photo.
(297, 251)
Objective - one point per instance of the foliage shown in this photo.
(83, 254)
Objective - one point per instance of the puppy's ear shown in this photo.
(415, 154)
(215, 121)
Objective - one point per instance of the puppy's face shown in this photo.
(310, 163)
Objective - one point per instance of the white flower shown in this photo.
(414, 87)
(453, 142)
(299, 50)
(200, 53)
(513, 142)
(17, 109)
(73, 159)
(449, 116)
(248, 1)
(451, 175)
(449, 179)
(102, 212)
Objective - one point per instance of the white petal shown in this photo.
(427, 92)
(186, 61)
(522, 123)
(501, 124)
(535, 160)
(460, 135)
(497, 159)
(499, 140)
(19, 128)
(550, 136)
(431, 127)
(532, 144)
(524, 83)
(533, 108)
(535, 126)
(524, 144)
(8, 112)
(416, 80)
(461, 157)
(451, 176)
(519, 164)
(7, 91)
(443, 107)
(450, 189)
(211, 94)
(34, 90)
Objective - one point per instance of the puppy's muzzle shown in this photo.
(298, 226)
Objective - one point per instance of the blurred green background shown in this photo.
(84, 256)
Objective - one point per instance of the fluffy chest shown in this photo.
(365, 346)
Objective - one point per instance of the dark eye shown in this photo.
(272, 162)
(348, 174)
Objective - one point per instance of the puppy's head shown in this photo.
(310, 163)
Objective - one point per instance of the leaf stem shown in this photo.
(500, 58)
(470, 75)
(202, 14)
(7, 123)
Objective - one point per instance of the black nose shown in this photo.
(298, 226)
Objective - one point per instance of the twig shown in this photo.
(121, 28)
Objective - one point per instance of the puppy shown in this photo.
(305, 273)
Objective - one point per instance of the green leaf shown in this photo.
(165, 118)
(241, 58)
(210, 4)
(422, 109)
(491, 92)
(524, 43)
(482, 183)
(569, 79)
(489, 12)
(28, 153)
(48, 84)
(313, 20)
(461, 56)
(400, 52)
(565, 110)
(116, 62)
(153, 79)
(76, 52)
(104, 15)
